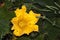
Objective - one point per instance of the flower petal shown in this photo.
(30, 29)
(21, 11)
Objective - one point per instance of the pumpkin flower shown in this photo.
(24, 23)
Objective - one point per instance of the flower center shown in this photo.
(22, 24)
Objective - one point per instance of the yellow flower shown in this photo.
(24, 23)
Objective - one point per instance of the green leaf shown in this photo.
(5, 17)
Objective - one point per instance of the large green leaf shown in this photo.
(5, 17)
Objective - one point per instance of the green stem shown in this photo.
(14, 38)
(44, 17)
(46, 10)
